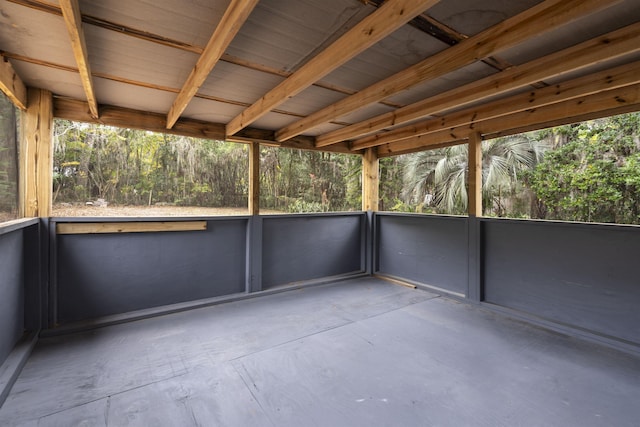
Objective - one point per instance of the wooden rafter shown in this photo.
(596, 105)
(73, 21)
(599, 49)
(139, 83)
(392, 15)
(11, 84)
(234, 17)
(624, 75)
(545, 16)
(178, 44)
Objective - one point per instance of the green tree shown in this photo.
(8, 160)
(437, 179)
(594, 173)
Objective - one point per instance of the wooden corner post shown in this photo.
(254, 178)
(475, 174)
(36, 155)
(370, 180)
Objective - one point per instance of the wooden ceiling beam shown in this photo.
(600, 49)
(389, 17)
(11, 84)
(77, 110)
(621, 76)
(543, 17)
(234, 17)
(73, 20)
(597, 105)
(383, 152)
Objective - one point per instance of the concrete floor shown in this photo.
(361, 352)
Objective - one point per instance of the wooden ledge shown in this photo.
(128, 227)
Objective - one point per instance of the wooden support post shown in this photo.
(36, 155)
(370, 180)
(254, 178)
(475, 174)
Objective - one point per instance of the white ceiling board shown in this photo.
(132, 58)
(365, 113)
(283, 33)
(211, 111)
(470, 17)
(610, 19)
(450, 81)
(311, 99)
(187, 21)
(403, 48)
(273, 121)
(130, 96)
(233, 82)
(322, 129)
(59, 82)
(34, 34)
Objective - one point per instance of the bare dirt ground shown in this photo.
(7, 216)
(63, 210)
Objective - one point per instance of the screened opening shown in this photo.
(8, 160)
(108, 171)
(586, 172)
(298, 181)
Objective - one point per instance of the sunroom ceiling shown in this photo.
(307, 73)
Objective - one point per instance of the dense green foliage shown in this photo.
(594, 173)
(309, 181)
(8, 160)
(436, 180)
(132, 167)
(584, 172)
(588, 172)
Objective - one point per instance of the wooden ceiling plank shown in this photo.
(624, 75)
(543, 17)
(234, 17)
(11, 84)
(73, 20)
(392, 15)
(570, 111)
(600, 49)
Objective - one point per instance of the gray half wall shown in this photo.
(304, 247)
(11, 291)
(427, 249)
(104, 274)
(583, 275)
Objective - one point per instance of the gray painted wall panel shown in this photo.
(582, 275)
(11, 291)
(103, 274)
(297, 248)
(427, 249)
